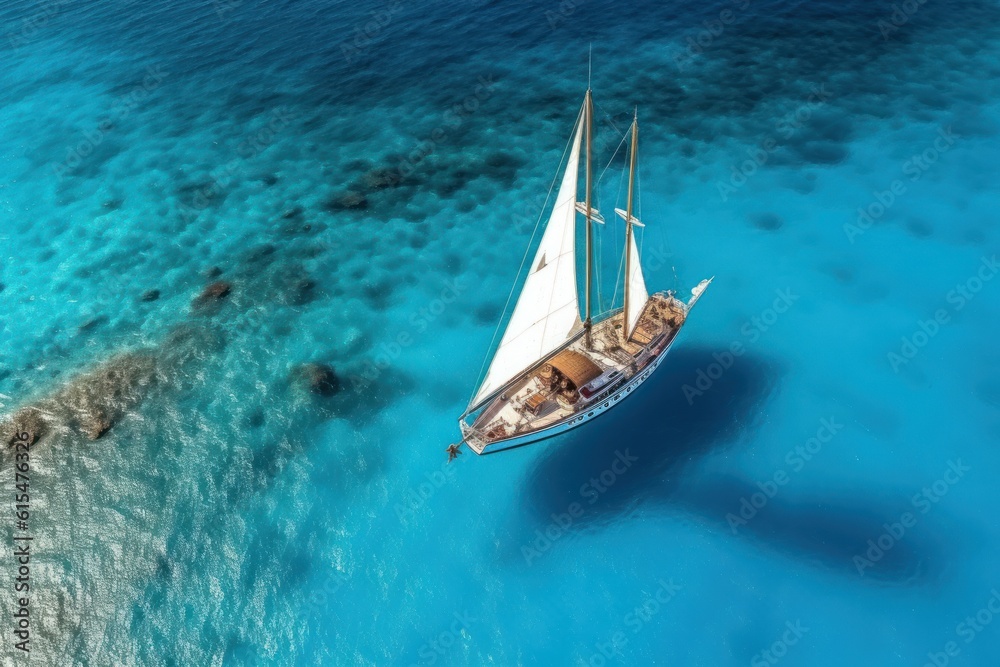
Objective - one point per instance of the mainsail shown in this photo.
(635, 286)
(637, 295)
(547, 313)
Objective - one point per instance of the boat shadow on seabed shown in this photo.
(660, 434)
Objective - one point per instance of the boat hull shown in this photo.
(576, 420)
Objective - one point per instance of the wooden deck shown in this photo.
(544, 397)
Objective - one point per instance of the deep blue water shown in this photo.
(833, 164)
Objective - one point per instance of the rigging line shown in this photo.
(640, 237)
(619, 247)
(638, 201)
(598, 273)
(621, 265)
(608, 165)
(638, 190)
(611, 120)
(661, 235)
(524, 258)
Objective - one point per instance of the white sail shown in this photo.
(637, 295)
(547, 313)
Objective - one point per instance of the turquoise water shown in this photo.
(808, 480)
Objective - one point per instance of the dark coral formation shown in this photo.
(211, 293)
(348, 200)
(768, 222)
(318, 379)
(293, 213)
(94, 424)
(27, 424)
(90, 403)
(291, 285)
(98, 399)
(93, 323)
(380, 178)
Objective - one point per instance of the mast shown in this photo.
(628, 223)
(588, 212)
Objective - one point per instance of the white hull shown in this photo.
(598, 409)
(544, 379)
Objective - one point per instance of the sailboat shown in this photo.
(556, 369)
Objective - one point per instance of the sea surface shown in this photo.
(810, 479)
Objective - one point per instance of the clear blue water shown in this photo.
(230, 519)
